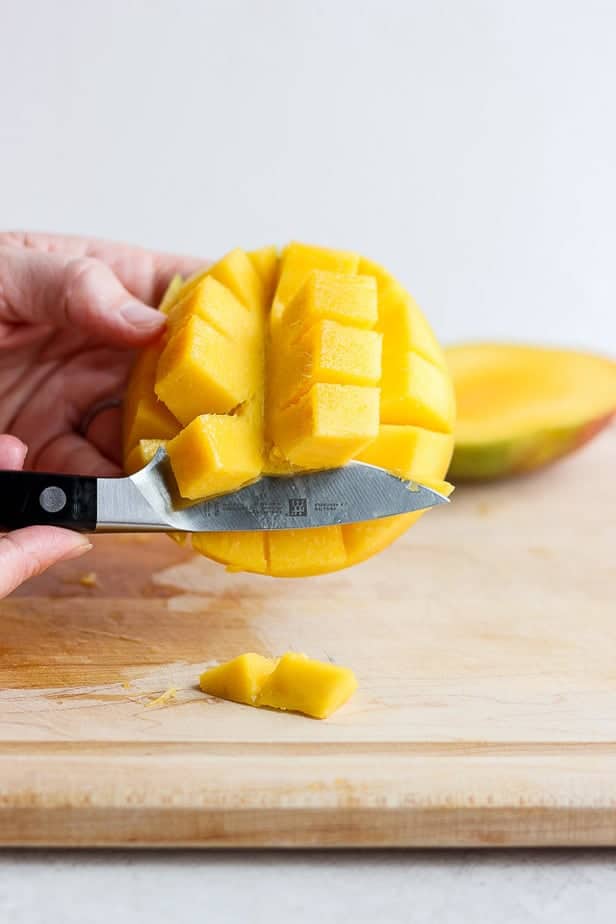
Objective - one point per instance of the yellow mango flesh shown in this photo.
(240, 551)
(144, 452)
(522, 407)
(238, 274)
(210, 301)
(171, 293)
(291, 683)
(414, 391)
(145, 416)
(239, 680)
(343, 365)
(328, 353)
(298, 261)
(266, 261)
(201, 371)
(299, 684)
(214, 454)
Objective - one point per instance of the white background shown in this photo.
(470, 145)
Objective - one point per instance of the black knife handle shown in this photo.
(38, 499)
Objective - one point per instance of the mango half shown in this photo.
(522, 407)
(280, 363)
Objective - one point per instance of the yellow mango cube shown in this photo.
(298, 552)
(237, 272)
(334, 297)
(298, 260)
(214, 454)
(149, 419)
(217, 306)
(240, 551)
(327, 426)
(328, 352)
(140, 384)
(189, 284)
(239, 680)
(410, 452)
(144, 452)
(300, 684)
(201, 371)
(267, 263)
(414, 391)
(400, 318)
(171, 293)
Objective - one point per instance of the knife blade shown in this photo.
(149, 500)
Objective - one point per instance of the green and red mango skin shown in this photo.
(487, 461)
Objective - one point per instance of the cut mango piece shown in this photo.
(300, 684)
(144, 452)
(237, 273)
(298, 260)
(267, 263)
(333, 297)
(301, 552)
(202, 371)
(239, 680)
(328, 352)
(144, 416)
(150, 420)
(363, 540)
(414, 391)
(214, 454)
(189, 284)
(240, 551)
(171, 293)
(418, 453)
(523, 407)
(327, 426)
(217, 306)
(400, 319)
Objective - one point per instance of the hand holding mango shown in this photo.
(72, 312)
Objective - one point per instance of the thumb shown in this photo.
(27, 552)
(76, 292)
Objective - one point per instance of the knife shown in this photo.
(149, 501)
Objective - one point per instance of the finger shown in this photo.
(25, 553)
(144, 273)
(12, 453)
(72, 453)
(72, 292)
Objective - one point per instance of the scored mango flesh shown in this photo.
(274, 364)
(293, 683)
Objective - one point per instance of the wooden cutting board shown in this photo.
(484, 643)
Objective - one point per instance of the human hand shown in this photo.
(72, 311)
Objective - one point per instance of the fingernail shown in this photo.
(81, 549)
(139, 315)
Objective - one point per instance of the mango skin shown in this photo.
(521, 455)
(521, 408)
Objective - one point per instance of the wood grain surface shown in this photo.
(485, 647)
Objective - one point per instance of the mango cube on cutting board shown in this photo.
(293, 683)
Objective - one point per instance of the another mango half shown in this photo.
(521, 407)
(279, 363)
